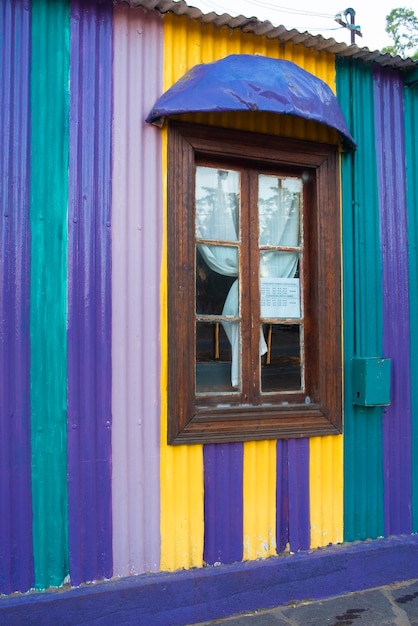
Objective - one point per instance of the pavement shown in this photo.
(392, 605)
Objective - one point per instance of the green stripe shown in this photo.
(411, 133)
(48, 219)
(363, 477)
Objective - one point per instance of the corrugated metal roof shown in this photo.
(267, 29)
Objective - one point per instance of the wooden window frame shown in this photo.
(190, 420)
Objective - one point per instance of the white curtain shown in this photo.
(216, 215)
(216, 219)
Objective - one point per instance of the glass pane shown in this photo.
(275, 264)
(216, 370)
(216, 272)
(216, 269)
(279, 204)
(217, 204)
(281, 364)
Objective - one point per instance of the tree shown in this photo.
(402, 26)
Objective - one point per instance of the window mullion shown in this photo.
(250, 289)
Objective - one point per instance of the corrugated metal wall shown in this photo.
(396, 424)
(49, 104)
(363, 462)
(411, 151)
(378, 465)
(90, 487)
(89, 293)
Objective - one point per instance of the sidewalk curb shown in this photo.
(187, 597)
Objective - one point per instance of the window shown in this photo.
(254, 304)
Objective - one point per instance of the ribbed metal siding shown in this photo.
(16, 556)
(411, 160)
(326, 477)
(223, 465)
(259, 499)
(292, 495)
(363, 479)
(389, 115)
(136, 266)
(411, 151)
(89, 295)
(49, 101)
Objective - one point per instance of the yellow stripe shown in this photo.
(326, 490)
(181, 467)
(259, 523)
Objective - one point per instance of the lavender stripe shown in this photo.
(388, 96)
(89, 303)
(223, 483)
(136, 268)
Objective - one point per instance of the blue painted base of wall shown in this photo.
(188, 597)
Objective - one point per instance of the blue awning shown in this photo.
(245, 82)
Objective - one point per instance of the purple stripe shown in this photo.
(89, 301)
(388, 96)
(292, 495)
(282, 495)
(223, 477)
(299, 520)
(16, 556)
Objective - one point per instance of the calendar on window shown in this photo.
(280, 297)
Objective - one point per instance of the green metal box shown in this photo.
(371, 381)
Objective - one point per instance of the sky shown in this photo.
(318, 18)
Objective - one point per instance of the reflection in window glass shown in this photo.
(279, 205)
(276, 264)
(217, 204)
